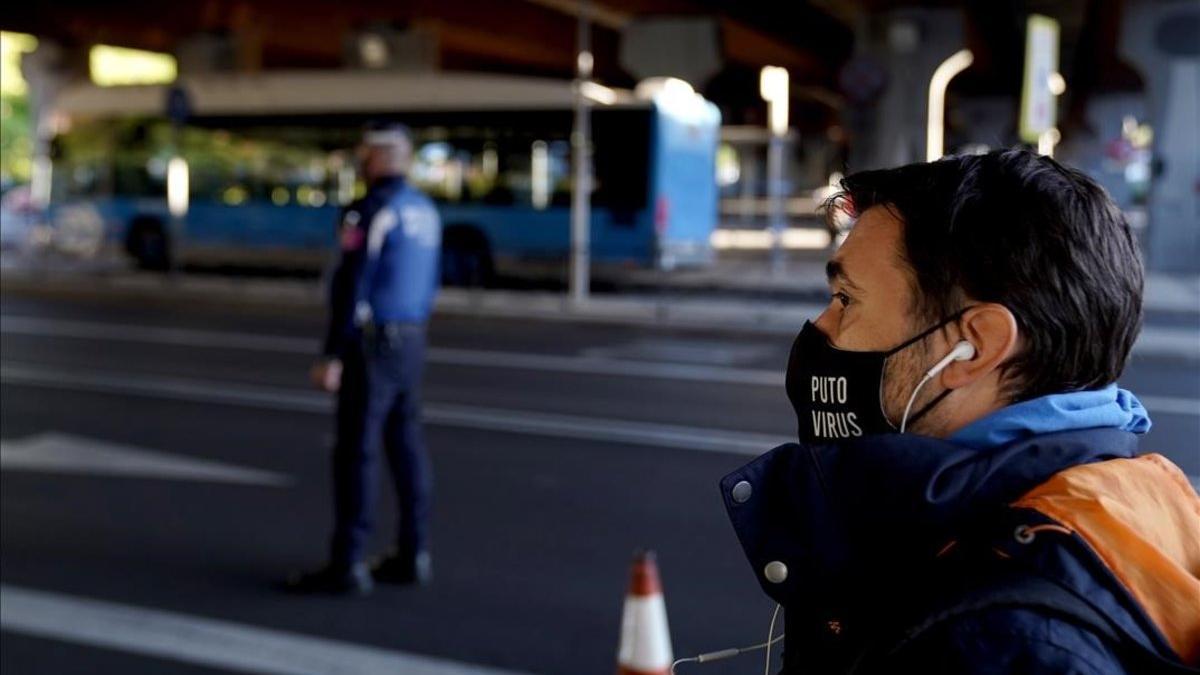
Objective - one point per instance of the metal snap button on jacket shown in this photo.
(775, 572)
(741, 492)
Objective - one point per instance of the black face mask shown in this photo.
(839, 394)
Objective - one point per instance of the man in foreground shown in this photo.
(967, 495)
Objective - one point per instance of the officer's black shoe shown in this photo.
(333, 579)
(404, 569)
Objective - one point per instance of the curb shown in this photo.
(697, 314)
(805, 282)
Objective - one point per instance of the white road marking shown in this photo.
(683, 350)
(208, 642)
(1170, 405)
(441, 414)
(450, 415)
(478, 358)
(593, 428)
(590, 365)
(1180, 342)
(64, 453)
(160, 335)
(186, 337)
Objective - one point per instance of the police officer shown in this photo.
(381, 295)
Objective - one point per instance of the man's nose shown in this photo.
(826, 323)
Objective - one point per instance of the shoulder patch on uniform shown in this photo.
(421, 223)
(350, 235)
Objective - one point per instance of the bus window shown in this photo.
(499, 171)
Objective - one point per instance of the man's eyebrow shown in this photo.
(836, 271)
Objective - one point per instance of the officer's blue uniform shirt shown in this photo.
(389, 270)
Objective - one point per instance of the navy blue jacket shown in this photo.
(878, 532)
(388, 272)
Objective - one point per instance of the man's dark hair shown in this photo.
(1024, 231)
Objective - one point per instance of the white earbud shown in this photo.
(963, 351)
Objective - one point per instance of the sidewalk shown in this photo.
(804, 280)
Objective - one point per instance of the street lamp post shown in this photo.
(581, 157)
(773, 87)
(935, 132)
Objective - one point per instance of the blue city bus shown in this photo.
(257, 171)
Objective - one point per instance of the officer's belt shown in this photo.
(392, 329)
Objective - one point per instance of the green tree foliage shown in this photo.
(16, 138)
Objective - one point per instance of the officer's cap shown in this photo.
(388, 134)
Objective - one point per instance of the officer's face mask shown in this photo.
(839, 394)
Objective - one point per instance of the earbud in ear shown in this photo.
(963, 351)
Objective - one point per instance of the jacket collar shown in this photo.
(847, 518)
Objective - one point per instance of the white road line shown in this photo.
(448, 415)
(1179, 342)
(208, 642)
(186, 337)
(145, 334)
(441, 414)
(1170, 405)
(55, 452)
(589, 365)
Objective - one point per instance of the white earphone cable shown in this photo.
(963, 351)
(771, 639)
(727, 653)
(912, 399)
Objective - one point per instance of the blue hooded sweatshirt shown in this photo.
(1107, 408)
(863, 539)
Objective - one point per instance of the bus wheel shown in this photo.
(467, 259)
(147, 243)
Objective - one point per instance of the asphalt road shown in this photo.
(558, 450)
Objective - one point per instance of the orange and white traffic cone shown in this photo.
(645, 638)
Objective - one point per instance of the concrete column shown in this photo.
(44, 72)
(1163, 40)
(909, 44)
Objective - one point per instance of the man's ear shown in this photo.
(992, 329)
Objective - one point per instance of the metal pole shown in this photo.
(935, 127)
(581, 147)
(775, 193)
(774, 87)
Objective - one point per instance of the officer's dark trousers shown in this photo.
(379, 406)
